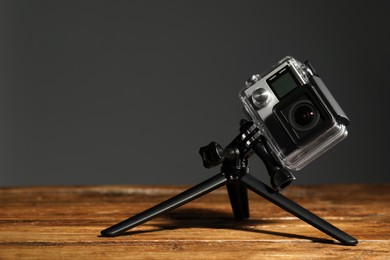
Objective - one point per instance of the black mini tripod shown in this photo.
(235, 175)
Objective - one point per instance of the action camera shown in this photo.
(295, 112)
(293, 120)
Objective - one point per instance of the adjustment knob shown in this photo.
(261, 97)
(212, 155)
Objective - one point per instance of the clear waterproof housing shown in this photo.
(295, 112)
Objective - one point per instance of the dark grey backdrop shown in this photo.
(125, 92)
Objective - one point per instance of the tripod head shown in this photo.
(234, 158)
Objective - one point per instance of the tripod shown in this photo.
(235, 175)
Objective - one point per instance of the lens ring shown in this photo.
(303, 116)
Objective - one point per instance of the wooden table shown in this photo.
(64, 223)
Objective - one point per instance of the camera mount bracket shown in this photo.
(235, 175)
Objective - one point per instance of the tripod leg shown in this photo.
(290, 206)
(238, 195)
(170, 204)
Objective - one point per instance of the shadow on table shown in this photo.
(213, 219)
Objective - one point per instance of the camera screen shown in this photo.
(282, 82)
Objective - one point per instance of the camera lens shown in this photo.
(303, 116)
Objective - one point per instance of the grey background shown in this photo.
(125, 92)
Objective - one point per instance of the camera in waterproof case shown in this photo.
(293, 120)
(295, 112)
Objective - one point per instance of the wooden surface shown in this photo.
(64, 223)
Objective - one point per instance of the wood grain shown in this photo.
(65, 223)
